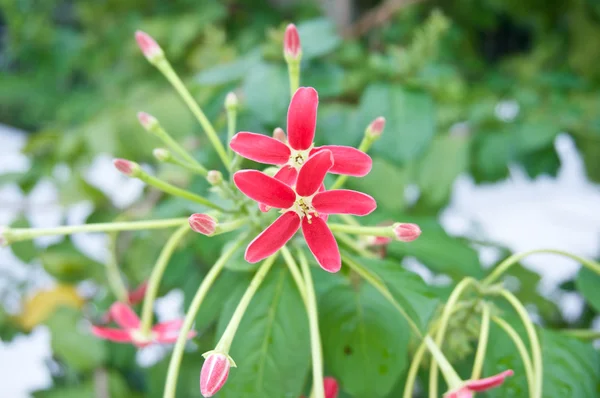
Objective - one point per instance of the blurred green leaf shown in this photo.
(318, 37)
(24, 250)
(588, 283)
(230, 72)
(267, 93)
(64, 262)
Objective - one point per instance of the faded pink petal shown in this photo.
(279, 135)
(203, 223)
(287, 175)
(313, 173)
(124, 316)
(137, 295)
(168, 332)
(321, 243)
(463, 392)
(260, 148)
(344, 201)
(331, 387)
(488, 382)
(302, 118)
(347, 160)
(116, 335)
(263, 207)
(214, 374)
(291, 41)
(273, 238)
(264, 189)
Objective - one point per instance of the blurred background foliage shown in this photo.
(466, 86)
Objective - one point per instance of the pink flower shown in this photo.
(472, 386)
(291, 155)
(291, 43)
(303, 206)
(214, 373)
(331, 387)
(130, 332)
(407, 232)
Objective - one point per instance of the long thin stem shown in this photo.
(293, 267)
(156, 276)
(313, 320)
(190, 316)
(113, 275)
(360, 230)
(438, 357)
(584, 334)
(165, 67)
(21, 234)
(294, 75)
(445, 318)
(224, 343)
(231, 124)
(196, 168)
(522, 351)
(484, 334)
(536, 348)
(175, 147)
(515, 258)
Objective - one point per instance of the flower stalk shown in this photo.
(484, 334)
(165, 156)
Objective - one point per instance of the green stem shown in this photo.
(21, 234)
(452, 378)
(315, 337)
(229, 226)
(484, 334)
(536, 348)
(113, 275)
(196, 167)
(510, 261)
(224, 343)
(190, 317)
(364, 146)
(387, 231)
(584, 334)
(175, 191)
(445, 318)
(348, 219)
(231, 124)
(522, 351)
(354, 245)
(165, 67)
(294, 75)
(293, 267)
(411, 377)
(165, 137)
(380, 286)
(156, 276)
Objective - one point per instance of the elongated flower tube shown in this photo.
(470, 387)
(291, 155)
(302, 206)
(130, 328)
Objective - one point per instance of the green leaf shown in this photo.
(25, 250)
(64, 262)
(327, 78)
(389, 196)
(587, 283)
(266, 88)
(492, 153)
(365, 340)
(318, 37)
(272, 345)
(116, 387)
(230, 72)
(410, 120)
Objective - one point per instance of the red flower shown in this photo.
(302, 120)
(302, 206)
(472, 386)
(123, 315)
(331, 387)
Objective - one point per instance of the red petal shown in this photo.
(322, 244)
(488, 382)
(313, 173)
(331, 387)
(302, 118)
(116, 335)
(287, 175)
(463, 392)
(273, 238)
(264, 189)
(124, 316)
(348, 160)
(260, 148)
(138, 294)
(344, 201)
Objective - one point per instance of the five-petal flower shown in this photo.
(302, 205)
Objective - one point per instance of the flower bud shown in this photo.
(331, 387)
(214, 374)
(127, 167)
(406, 232)
(231, 102)
(375, 129)
(203, 224)
(147, 121)
(279, 135)
(149, 47)
(291, 43)
(161, 154)
(214, 177)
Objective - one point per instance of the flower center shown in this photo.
(298, 158)
(140, 338)
(303, 208)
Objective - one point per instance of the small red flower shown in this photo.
(214, 373)
(291, 42)
(303, 206)
(472, 386)
(331, 387)
(125, 317)
(291, 155)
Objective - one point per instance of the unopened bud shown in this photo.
(214, 374)
(375, 129)
(214, 177)
(149, 47)
(279, 134)
(406, 232)
(203, 224)
(161, 154)
(292, 49)
(127, 167)
(331, 387)
(231, 102)
(147, 121)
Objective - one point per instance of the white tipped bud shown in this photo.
(279, 134)
(231, 102)
(214, 177)
(161, 154)
(147, 121)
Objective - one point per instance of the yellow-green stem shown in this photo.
(294, 75)
(514, 336)
(175, 147)
(113, 275)
(354, 245)
(167, 70)
(231, 122)
(484, 334)
(387, 231)
(156, 276)
(195, 168)
(584, 334)
(190, 316)
(293, 267)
